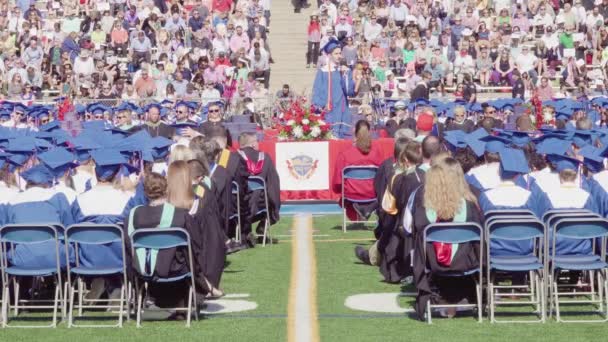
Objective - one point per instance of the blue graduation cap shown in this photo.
(593, 158)
(80, 109)
(495, 143)
(553, 145)
(5, 114)
(160, 147)
(583, 138)
(562, 162)
(166, 102)
(83, 145)
(94, 125)
(520, 138)
(39, 174)
(513, 162)
(58, 160)
(108, 163)
(19, 108)
(192, 105)
(454, 140)
(50, 126)
(331, 45)
(97, 108)
(153, 105)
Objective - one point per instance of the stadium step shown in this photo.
(288, 45)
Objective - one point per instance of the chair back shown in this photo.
(159, 239)
(235, 188)
(515, 229)
(511, 212)
(28, 234)
(94, 234)
(563, 212)
(359, 172)
(452, 232)
(581, 228)
(256, 183)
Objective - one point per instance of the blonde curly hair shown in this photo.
(445, 187)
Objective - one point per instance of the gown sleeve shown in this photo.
(63, 208)
(320, 93)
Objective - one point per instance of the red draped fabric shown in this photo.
(335, 147)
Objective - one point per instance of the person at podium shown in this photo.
(333, 85)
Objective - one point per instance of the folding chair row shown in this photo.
(565, 240)
(520, 245)
(66, 262)
(354, 173)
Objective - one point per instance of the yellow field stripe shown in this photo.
(302, 319)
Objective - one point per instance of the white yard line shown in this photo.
(302, 320)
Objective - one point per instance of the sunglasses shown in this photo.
(214, 110)
(121, 117)
(44, 121)
(181, 112)
(491, 111)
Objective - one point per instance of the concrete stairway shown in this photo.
(288, 45)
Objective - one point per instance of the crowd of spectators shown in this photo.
(203, 50)
(552, 48)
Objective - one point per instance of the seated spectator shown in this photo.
(364, 152)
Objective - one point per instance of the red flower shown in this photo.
(306, 129)
(324, 128)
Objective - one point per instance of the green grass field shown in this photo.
(264, 274)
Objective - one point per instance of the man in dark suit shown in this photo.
(422, 88)
(154, 126)
(256, 27)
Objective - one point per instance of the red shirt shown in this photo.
(356, 189)
(222, 5)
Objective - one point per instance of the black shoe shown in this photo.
(234, 246)
(250, 240)
(362, 254)
(363, 210)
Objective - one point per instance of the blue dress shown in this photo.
(341, 87)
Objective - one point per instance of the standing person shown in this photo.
(314, 40)
(154, 126)
(333, 85)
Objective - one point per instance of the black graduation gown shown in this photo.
(170, 262)
(466, 126)
(420, 92)
(207, 127)
(271, 177)
(381, 181)
(236, 169)
(208, 240)
(162, 130)
(395, 244)
(223, 193)
(466, 258)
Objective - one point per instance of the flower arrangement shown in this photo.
(299, 122)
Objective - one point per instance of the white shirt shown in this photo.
(398, 13)
(592, 19)
(525, 62)
(372, 31)
(85, 67)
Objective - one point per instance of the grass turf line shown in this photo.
(341, 275)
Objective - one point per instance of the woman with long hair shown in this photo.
(203, 224)
(363, 153)
(444, 197)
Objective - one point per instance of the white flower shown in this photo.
(305, 122)
(290, 122)
(321, 122)
(315, 131)
(298, 132)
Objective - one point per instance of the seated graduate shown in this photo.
(60, 161)
(508, 195)
(260, 164)
(598, 177)
(236, 168)
(105, 203)
(38, 204)
(459, 121)
(83, 178)
(161, 213)
(486, 176)
(568, 195)
(8, 184)
(392, 250)
(206, 228)
(444, 197)
(548, 178)
(363, 152)
(154, 126)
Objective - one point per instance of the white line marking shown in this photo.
(304, 320)
(236, 295)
